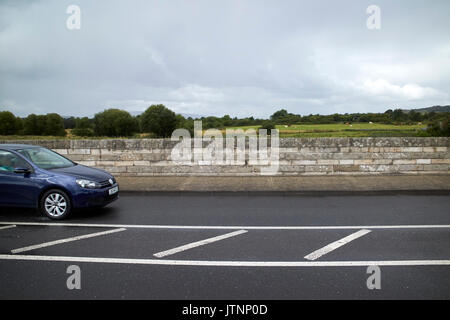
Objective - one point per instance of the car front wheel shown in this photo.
(55, 204)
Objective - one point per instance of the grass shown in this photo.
(54, 138)
(297, 130)
(70, 136)
(345, 130)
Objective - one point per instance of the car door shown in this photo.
(16, 189)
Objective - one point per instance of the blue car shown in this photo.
(33, 176)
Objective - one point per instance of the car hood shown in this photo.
(83, 172)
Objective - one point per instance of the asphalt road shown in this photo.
(233, 246)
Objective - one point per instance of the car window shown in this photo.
(46, 159)
(9, 161)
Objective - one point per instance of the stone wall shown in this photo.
(297, 156)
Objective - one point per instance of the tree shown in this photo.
(432, 115)
(19, 125)
(159, 120)
(268, 125)
(51, 124)
(226, 120)
(9, 124)
(69, 123)
(41, 122)
(54, 125)
(183, 123)
(398, 115)
(279, 114)
(30, 126)
(114, 123)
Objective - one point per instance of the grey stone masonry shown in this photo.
(297, 156)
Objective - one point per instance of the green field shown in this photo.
(346, 130)
(298, 130)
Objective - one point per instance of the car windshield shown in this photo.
(46, 159)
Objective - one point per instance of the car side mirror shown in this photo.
(22, 170)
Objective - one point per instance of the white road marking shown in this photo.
(334, 245)
(198, 243)
(149, 226)
(228, 263)
(7, 227)
(52, 243)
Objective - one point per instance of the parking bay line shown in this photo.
(227, 263)
(52, 243)
(137, 226)
(336, 244)
(198, 244)
(7, 227)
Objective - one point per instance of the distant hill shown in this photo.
(431, 109)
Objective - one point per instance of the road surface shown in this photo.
(233, 246)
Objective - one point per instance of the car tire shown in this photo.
(55, 204)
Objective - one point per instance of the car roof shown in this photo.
(17, 146)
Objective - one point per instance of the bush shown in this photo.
(114, 123)
(159, 120)
(83, 127)
(440, 128)
(83, 132)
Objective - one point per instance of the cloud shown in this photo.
(410, 91)
(232, 57)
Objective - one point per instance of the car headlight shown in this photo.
(87, 184)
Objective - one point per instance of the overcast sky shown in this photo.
(216, 57)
